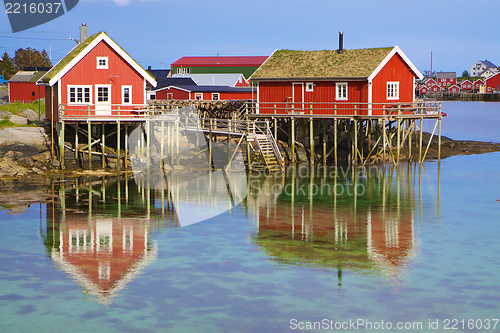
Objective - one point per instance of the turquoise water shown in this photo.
(409, 244)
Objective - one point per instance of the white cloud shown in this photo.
(122, 2)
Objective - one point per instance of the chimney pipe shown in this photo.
(341, 42)
(84, 32)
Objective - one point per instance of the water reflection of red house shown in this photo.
(102, 254)
(387, 236)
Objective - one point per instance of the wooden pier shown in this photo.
(321, 129)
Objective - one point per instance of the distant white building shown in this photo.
(482, 68)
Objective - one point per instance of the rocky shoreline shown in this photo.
(24, 152)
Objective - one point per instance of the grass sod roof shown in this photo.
(326, 63)
(75, 52)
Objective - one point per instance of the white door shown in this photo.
(103, 100)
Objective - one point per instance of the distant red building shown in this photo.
(454, 89)
(205, 93)
(445, 79)
(323, 82)
(466, 85)
(23, 88)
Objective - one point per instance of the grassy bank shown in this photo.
(16, 108)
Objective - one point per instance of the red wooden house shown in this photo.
(445, 79)
(423, 90)
(466, 85)
(358, 82)
(23, 88)
(454, 89)
(493, 83)
(205, 93)
(478, 84)
(97, 79)
(435, 88)
(429, 82)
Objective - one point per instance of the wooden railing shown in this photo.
(343, 108)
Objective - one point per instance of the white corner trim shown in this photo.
(384, 62)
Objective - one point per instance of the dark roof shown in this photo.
(212, 88)
(220, 61)
(28, 75)
(174, 81)
(446, 75)
(488, 64)
(159, 73)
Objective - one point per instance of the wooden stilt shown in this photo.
(76, 141)
(118, 146)
(325, 139)
(311, 139)
(103, 146)
(126, 146)
(293, 138)
(89, 143)
(335, 140)
(61, 144)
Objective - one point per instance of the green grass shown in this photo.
(7, 123)
(17, 107)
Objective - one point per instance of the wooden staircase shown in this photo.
(272, 159)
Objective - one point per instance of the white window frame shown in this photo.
(341, 91)
(309, 86)
(216, 94)
(392, 91)
(198, 94)
(102, 66)
(129, 94)
(83, 87)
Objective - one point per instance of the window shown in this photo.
(102, 94)
(215, 96)
(102, 62)
(79, 95)
(183, 70)
(198, 96)
(392, 90)
(126, 94)
(309, 86)
(341, 91)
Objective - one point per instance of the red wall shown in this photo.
(493, 83)
(119, 73)
(177, 94)
(184, 95)
(23, 92)
(322, 97)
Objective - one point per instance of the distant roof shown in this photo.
(326, 63)
(487, 63)
(220, 61)
(28, 75)
(446, 75)
(159, 73)
(211, 88)
(213, 79)
(174, 81)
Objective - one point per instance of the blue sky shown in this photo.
(458, 32)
